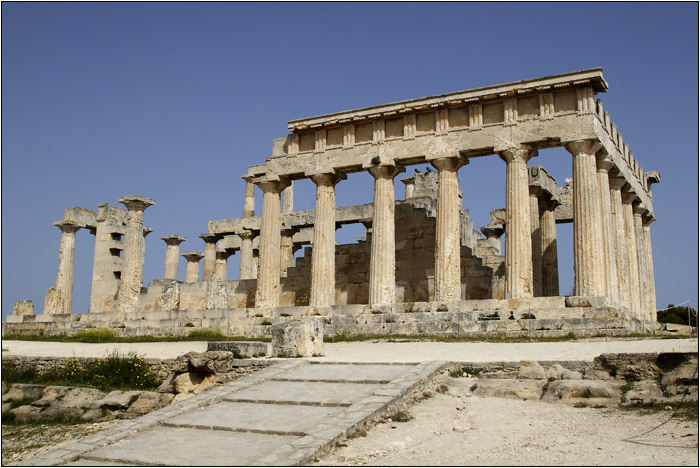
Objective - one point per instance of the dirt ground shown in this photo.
(456, 428)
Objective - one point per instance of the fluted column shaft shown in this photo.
(448, 285)
(247, 266)
(382, 268)
(133, 256)
(550, 261)
(66, 263)
(609, 267)
(536, 239)
(588, 242)
(323, 252)
(518, 234)
(249, 203)
(631, 248)
(221, 264)
(622, 266)
(651, 284)
(638, 210)
(209, 266)
(286, 246)
(267, 294)
(172, 255)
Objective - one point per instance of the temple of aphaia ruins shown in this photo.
(421, 267)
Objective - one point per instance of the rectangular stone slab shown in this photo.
(174, 446)
(259, 417)
(346, 373)
(320, 393)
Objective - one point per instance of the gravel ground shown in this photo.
(455, 428)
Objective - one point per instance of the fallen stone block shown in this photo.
(23, 392)
(118, 399)
(51, 394)
(295, 338)
(150, 401)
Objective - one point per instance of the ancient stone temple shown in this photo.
(421, 267)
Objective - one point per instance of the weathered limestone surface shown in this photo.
(209, 255)
(292, 339)
(23, 308)
(66, 261)
(192, 272)
(267, 295)
(107, 265)
(172, 255)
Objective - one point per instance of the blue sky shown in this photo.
(174, 101)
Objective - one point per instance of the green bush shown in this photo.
(678, 315)
(96, 335)
(114, 372)
(205, 334)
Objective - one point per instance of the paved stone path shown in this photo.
(282, 415)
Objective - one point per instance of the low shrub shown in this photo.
(206, 334)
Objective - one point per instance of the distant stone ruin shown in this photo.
(421, 267)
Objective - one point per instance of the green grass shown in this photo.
(113, 372)
(107, 336)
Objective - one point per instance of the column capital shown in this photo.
(639, 209)
(521, 153)
(386, 171)
(449, 163)
(628, 197)
(583, 146)
(493, 231)
(604, 161)
(68, 227)
(173, 239)
(327, 179)
(245, 234)
(616, 183)
(210, 238)
(147, 231)
(192, 256)
(136, 202)
(273, 186)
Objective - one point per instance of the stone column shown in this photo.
(286, 249)
(172, 255)
(209, 254)
(518, 235)
(638, 211)
(222, 263)
(410, 183)
(134, 250)
(588, 241)
(192, 272)
(631, 250)
(548, 239)
(247, 267)
(249, 205)
(448, 285)
(66, 263)
(651, 284)
(382, 267)
(622, 266)
(267, 294)
(536, 239)
(604, 164)
(323, 252)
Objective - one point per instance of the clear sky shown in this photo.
(173, 101)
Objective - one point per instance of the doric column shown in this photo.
(536, 239)
(209, 255)
(588, 242)
(548, 247)
(222, 263)
(172, 255)
(66, 263)
(518, 236)
(631, 249)
(288, 198)
(267, 294)
(286, 248)
(609, 268)
(651, 284)
(638, 211)
(410, 183)
(382, 267)
(622, 267)
(134, 251)
(323, 252)
(247, 267)
(192, 272)
(249, 204)
(448, 285)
